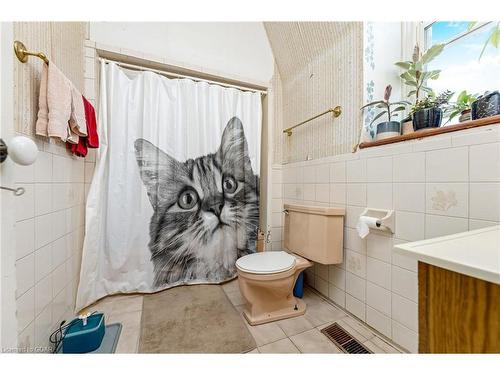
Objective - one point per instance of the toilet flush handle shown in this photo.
(285, 212)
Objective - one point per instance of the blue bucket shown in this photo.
(298, 290)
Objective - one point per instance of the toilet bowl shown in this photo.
(267, 279)
(266, 283)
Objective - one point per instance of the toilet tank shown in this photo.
(316, 233)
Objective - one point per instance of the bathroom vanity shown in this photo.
(458, 291)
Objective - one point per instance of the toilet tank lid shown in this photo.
(318, 210)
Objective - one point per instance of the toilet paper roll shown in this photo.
(364, 225)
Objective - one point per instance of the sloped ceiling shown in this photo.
(296, 44)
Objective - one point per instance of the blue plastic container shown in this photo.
(79, 338)
(298, 290)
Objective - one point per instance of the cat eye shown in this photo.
(229, 184)
(188, 199)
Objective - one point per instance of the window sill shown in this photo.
(434, 131)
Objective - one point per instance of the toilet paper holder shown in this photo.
(385, 218)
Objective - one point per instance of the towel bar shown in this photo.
(22, 53)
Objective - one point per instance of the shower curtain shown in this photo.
(175, 194)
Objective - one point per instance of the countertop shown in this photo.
(475, 253)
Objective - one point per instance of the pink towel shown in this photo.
(54, 100)
(43, 107)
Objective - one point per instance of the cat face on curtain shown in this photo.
(206, 210)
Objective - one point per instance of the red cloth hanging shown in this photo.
(92, 139)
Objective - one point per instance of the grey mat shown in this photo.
(192, 319)
(109, 341)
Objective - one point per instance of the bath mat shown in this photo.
(109, 341)
(192, 319)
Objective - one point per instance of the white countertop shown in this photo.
(475, 253)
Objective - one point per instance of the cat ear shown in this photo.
(155, 168)
(233, 145)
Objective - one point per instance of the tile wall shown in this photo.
(49, 225)
(437, 186)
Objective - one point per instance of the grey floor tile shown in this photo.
(313, 341)
(279, 347)
(294, 326)
(266, 333)
(323, 312)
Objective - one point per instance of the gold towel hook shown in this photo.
(22, 53)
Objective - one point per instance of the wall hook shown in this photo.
(17, 192)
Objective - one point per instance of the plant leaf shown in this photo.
(412, 92)
(431, 53)
(378, 116)
(401, 102)
(485, 45)
(404, 64)
(411, 83)
(495, 38)
(372, 104)
(399, 109)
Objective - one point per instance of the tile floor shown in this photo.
(295, 335)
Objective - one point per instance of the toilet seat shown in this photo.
(267, 262)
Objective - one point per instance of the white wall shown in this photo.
(437, 186)
(234, 48)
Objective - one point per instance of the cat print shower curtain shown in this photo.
(175, 194)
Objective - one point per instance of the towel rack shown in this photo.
(335, 111)
(22, 53)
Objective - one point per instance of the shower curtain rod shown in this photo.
(177, 75)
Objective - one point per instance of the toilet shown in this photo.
(267, 279)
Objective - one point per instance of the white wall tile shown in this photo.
(43, 262)
(379, 247)
(405, 283)
(409, 167)
(321, 285)
(43, 294)
(323, 193)
(409, 197)
(309, 175)
(356, 194)
(277, 191)
(405, 312)
(356, 171)
(352, 215)
(355, 286)
(485, 162)
(355, 306)
(379, 169)
(448, 165)
(336, 295)
(379, 298)
(405, 337)
(43, 167)
(338, 172)
(403, 261)
(25, 237)
(338, 194)
(449, 199)
(24, 174)
(478, 224)
(322, 174)
(43, 230)
(43, 327)
(25, 274)
(476, 136)
(433, 143)
(485, 201)
(352, 241)
(25, 309)
(309, 192)
(336, 276)
(379, 195)
(25, 204)
(379, 321)
(43, 198)
(356, 263)
(409, 226)
(378, 272)
(437, 226)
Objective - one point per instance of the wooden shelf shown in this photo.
(434, 131)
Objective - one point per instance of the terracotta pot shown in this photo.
(407, 127)
(465, 116)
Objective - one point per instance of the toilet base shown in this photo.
(288, 312)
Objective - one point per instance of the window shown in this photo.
(461, 68)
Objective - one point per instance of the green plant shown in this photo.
(415, 75)
(493, 37)
(431, 101)
(386, 106)
(463, 103)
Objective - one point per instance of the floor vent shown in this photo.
(344, 340)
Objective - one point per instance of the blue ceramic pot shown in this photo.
(427, 118)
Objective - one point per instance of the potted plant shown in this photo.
(428, 112)
(461, 107)
(415, 74)
(407, 125)
(390, 127)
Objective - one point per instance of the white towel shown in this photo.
(77, 122)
